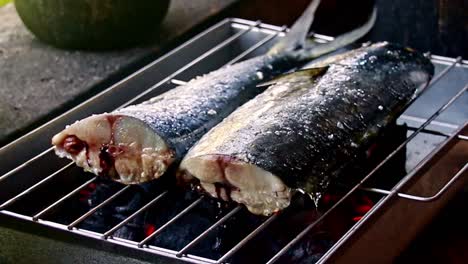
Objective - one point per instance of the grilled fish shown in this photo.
(138, 143)
(305, 128)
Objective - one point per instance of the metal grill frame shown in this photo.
(244, 27)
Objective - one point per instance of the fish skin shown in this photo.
(305, 130)
(182, 115)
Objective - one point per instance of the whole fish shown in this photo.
(138, 143)
(304, 129)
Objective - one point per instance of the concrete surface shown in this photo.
(37, 79)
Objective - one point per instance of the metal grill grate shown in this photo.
(243, 39)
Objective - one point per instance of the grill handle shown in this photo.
(424, 199)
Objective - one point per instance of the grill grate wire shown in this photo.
(246, 27)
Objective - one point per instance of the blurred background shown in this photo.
(439, 26)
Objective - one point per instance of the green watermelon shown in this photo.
(4, 2)
(92, 24)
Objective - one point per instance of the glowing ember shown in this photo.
(149, 229)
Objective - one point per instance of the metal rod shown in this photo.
(171, 254)
(178, 82)
(393, 153)
(76, 190)
(35, 186)
(126, 220)
(25, 164)
(256, 46)
(430, 131)
(463, 137)
(163, 227)
(441, 109)
(422, 120)
(207, 231)
(375, 190)
(192, 63)
(244, 241)
(94, 209)
(422, 198)
(445, 71)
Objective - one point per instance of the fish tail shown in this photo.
(313, 50)
(296, 37)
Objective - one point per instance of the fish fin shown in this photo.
(310, 73)
(297, 35)
(314, 50)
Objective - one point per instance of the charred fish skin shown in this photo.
(302, 131)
